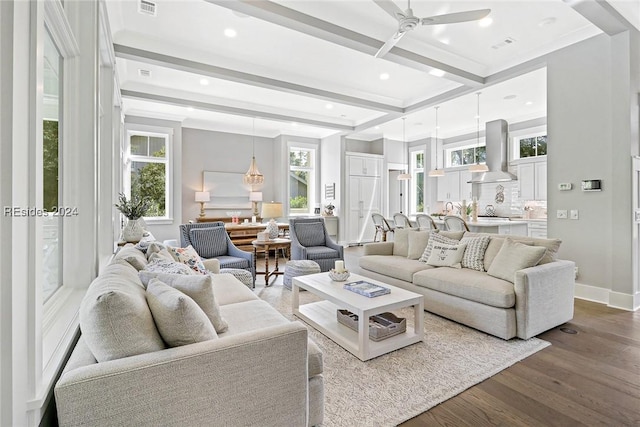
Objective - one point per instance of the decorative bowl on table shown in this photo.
(338, 276)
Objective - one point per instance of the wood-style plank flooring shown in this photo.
(590, 378)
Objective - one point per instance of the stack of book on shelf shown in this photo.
(367, 289)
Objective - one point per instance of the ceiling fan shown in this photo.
(408, 21)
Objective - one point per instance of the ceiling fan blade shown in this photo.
(390, 7)
(454, 18)
(389, 44)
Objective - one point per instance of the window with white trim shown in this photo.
(302, 179)
(147, 172)
(416, 185)
(530, 146)
(465, 155)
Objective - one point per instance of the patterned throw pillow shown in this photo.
(188, 256)
(444, 255)
(473, 257)
(168, 266)
(433, 239)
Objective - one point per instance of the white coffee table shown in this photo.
(322, 315)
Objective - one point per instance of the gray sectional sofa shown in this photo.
(524, 304)
(262, 370)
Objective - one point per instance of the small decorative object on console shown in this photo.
(338, 276)
(367, 289)
(381, 326)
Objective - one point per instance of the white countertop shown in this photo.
(497, 222)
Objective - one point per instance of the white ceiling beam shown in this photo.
(601, 14)
(225, 109)
(132, 53)
(307, 24)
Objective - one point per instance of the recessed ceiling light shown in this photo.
(547, 21)
(528, 103)
(485, 22)
(294, 124)
(437, 72)
(445, 41)
(190, 108)
(230, 32)
(328, 106)
(384, 76)
(418, 123)
(204, 82)
(377, 127)
(510, 96)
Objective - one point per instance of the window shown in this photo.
(302, 172)
(416, 192)
(532, 146)
(147, 172)
(51, 131)
(466, 155)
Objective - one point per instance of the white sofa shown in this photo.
(262, 371)
(537, 299)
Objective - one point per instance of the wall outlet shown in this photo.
(576, 272)
(561, 214)
(573, 214)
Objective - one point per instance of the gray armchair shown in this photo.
(310, 240)
(211, 240)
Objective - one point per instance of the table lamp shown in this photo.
(272, 210)
(202, 197)
(255, 197)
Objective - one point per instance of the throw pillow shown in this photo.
(514, 256)
(417, 243)
(474, 254)
(188, 256)
(115, 319)
(133, 256)
(154, 248)
(163, 254)
(161, 265)
(310, 234)
(444, 255)
(209, 242)
(179, 319)
(455, 235)
(199, 288)
(401, 241)
(435, 238)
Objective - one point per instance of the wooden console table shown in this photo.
(243, 234)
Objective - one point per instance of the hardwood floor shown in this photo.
(588, 378)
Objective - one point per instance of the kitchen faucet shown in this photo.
(446, 207)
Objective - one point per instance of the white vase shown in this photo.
(272, 229)
(132, 231)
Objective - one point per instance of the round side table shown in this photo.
(266, 245)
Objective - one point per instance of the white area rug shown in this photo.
(400, 385)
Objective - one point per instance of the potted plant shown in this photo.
(133, 209)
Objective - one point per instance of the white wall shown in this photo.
(330, 166)
(589, 129)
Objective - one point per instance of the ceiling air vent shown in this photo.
(144, 73)
(503, 43)
(147, 7)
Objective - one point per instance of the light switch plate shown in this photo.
(573, 214)
(564, 186)
(561, 214)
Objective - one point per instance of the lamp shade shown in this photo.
(202, 196)
(436, 172)
(255, 196)
(478, 167)
(404, 177)
(271, 210)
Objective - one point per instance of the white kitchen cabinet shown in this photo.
(466, 188)
(363, 197)
(455, 186)
(532, 180)
(537, 229)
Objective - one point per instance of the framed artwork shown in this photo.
(226, 190)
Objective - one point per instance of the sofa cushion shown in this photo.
(115, 319)
(228, 261)
(321, 252)
(161, 265)
(310, 234)
(416, 243)
(229, 290)
(209, 242)
(398, 267)
(401, 241)
(197, 287)
(433, 239)
(444, 255)
(257, 314)
(514, 256)
(188, 256)
(156, 248)
(474, 254)
(469, 284)
(179, 319)
(132, 255)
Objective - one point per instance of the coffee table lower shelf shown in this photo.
(322, 316)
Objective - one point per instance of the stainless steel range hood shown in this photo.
(497, 154)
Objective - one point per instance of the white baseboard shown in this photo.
(607, 297)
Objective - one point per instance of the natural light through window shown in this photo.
(417, 182)
(301, 179)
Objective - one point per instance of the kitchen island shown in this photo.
(494, 225)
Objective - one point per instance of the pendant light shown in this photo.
(477, 167)
(253, 175)
(436, 172)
